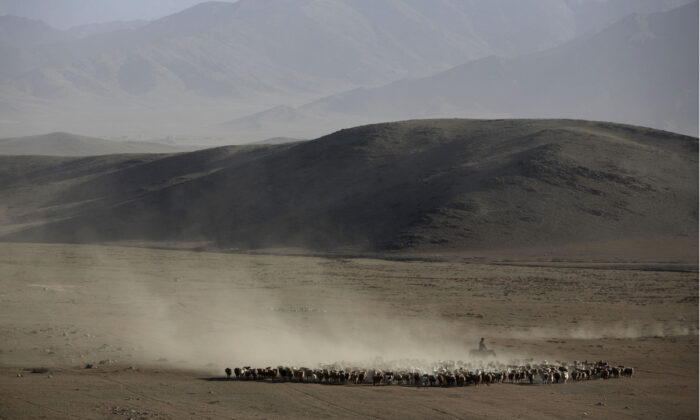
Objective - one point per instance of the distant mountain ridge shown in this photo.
(66, 144)
(216, 61)
(642, 70)
(22, 32)
(67, 14)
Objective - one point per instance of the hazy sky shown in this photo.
(63, 14)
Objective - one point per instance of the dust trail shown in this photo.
(616, 330)
(242, 312)
(246, 322)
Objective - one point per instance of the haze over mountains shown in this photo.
(66, 144)
(187, 73)
(641, 70)
(68, 14)
(460, 184)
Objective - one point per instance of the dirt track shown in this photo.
(166, 323)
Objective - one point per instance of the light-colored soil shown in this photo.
(165, 323)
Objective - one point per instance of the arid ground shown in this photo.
(160, 325)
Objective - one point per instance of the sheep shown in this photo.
(334, 376)
(441, 379)
(476, 379)
(545, 377)
(501, 377)
(432, 380)
(377, 378)
(461, 379)
(298, 374)
(444, 374)
(361, 377)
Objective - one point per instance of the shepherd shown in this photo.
(482, 345)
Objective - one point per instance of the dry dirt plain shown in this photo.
(165, 324)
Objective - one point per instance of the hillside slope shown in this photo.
(457, 184)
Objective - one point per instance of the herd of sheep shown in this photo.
(444, 375)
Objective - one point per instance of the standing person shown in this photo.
(482, 345)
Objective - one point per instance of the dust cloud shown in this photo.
(249, 321)
(256, 328)
(620, 330)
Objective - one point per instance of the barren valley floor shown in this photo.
(160, 326)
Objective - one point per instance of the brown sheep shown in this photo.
(461, 379)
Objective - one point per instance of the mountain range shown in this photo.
(642, 70)
(66, 144)
(217, 61)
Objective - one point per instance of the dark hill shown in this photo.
(453, 184)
